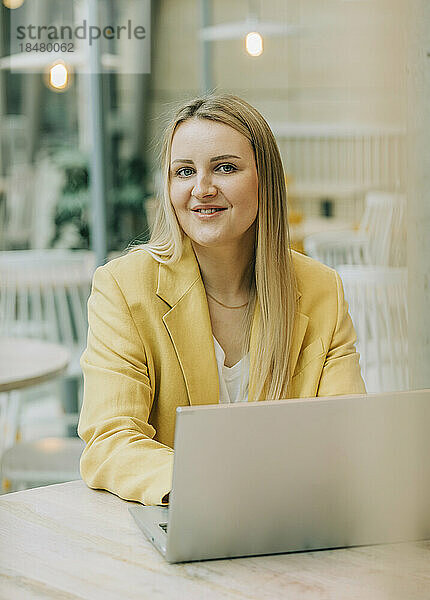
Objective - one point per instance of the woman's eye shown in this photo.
(226, 168)
(184, 172)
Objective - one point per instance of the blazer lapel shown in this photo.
(299, 331)
(189, 326)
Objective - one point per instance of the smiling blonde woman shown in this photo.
(215, 308)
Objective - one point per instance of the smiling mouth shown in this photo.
(208, 211)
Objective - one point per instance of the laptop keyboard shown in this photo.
(163, 526)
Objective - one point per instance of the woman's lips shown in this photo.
(211, 215)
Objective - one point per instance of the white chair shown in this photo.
(41, 462)
(43, 294)
(384, 223)
(338, 248)
(32, 193)
(9, 415)
(377, 298)
(380, 240)
(48, 183)
(19, 207)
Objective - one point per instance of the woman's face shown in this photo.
(214, 184)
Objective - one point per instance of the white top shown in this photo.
(230, 377)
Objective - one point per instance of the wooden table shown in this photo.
(26, 362)
(69, 542)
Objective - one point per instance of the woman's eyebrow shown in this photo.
(183, 160)
(214, 159)
(223, 156)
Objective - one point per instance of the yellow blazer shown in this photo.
(150, 350)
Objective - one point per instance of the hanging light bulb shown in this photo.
(13, 3)
(58, 76)
(254, 43)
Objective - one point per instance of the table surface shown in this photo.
(25, 362)
(69, 542)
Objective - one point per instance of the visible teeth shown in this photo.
(207, 211)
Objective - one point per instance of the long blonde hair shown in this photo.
(272, 275)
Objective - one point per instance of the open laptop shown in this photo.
(270, 477)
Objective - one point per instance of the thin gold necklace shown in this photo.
(225, 305)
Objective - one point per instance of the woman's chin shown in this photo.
(208, 239)
(217, 239)
(207, 242)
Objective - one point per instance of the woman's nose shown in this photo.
(203, 187)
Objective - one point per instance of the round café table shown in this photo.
(25, 362)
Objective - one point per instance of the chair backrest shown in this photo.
(48, 183)
(335, 248)
(43, 294)
(377, 298)
(381, 239)
(384, 222)
(19, 207)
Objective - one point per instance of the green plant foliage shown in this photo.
(126, 217)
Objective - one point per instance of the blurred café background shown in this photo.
(344, 85)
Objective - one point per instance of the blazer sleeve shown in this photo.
(121, 455)
(341, 372)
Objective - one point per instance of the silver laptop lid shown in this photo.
(268, 477)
